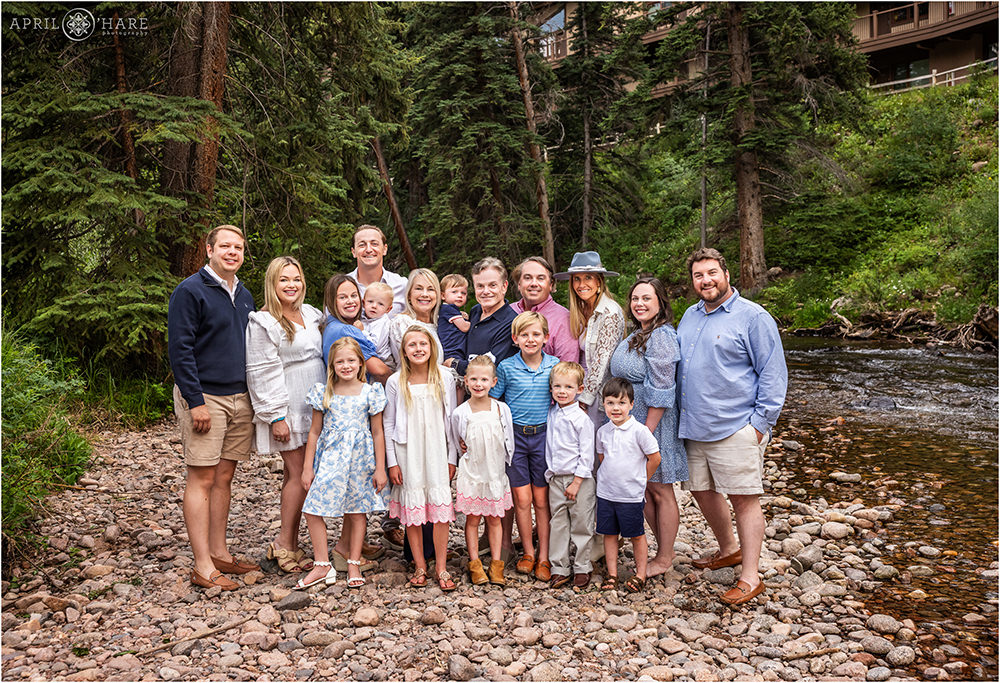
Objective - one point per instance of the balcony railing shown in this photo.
(935, 77)
(911, 17)
(554, 45)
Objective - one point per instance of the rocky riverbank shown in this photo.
(110, 600)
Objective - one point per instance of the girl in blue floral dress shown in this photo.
(344, 469)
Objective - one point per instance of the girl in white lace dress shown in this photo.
(420, 451)
(485, 426)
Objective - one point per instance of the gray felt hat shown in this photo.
(585, 262)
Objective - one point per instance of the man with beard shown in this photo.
(732, 379)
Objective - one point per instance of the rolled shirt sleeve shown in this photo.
(768, 359)
(265, 373)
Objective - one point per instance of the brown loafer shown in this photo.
(741, 593)
(559, 580)
(215, 579)
(581, 581)
(235, 567)
(717, 562)
(371, 552)
(526, 565)
(543, 570)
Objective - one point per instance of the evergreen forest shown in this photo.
(444, 125)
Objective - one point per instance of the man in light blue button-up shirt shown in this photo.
(732, 381)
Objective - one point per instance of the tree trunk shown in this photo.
(128, 144)
(197, 69)
(588, 179)
(541, 190)
(753, 270)
(588, 151)
(397, 219)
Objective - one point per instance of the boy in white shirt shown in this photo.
(569, 459)
(375, 323)
(629, 455)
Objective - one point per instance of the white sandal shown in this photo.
(355, 581)
(331, 576)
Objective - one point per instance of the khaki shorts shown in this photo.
(230, 436)
(733, 466)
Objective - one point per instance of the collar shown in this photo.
(605, 305)
(727, 305)
(354, 276)
(569, 407)
(219, 279)
(544, 304)
(545, 364)
(626, 425)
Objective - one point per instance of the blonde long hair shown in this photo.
(434, 379)
(271, 302)
(331, 375)
(435, 285)
(580, 312)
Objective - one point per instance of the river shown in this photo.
(920, 426)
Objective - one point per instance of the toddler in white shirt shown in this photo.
(375, 323)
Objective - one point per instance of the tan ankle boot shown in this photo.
(496, 573)
(476, 573)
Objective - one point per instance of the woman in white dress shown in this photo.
(421, 305)
(284, 360)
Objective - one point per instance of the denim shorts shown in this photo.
(527, 466)
(620, 519)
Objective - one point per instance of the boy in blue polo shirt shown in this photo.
(523, 382)
(629, 455)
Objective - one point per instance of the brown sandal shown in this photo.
(635, 584)
(419, 579)
(445, 582)
(288, 561)
(610, 583)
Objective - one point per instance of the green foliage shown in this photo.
(40, 447)
(915, 141)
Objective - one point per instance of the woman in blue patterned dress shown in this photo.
(648, 359)
(344, 470)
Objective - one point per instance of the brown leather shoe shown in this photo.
(496, 573)
(235, 567)
(216, 579)
(741, 593)
(581, 581)
(526, 564)
(543, 570)
(476, 573)
(717, 562)
(559, 580)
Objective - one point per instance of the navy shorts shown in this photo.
(528, 464)
(620, 519)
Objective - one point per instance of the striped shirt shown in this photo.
(525, 391)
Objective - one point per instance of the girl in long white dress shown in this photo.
(420, 450)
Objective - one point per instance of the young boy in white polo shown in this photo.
(629, 455)
(569, 458)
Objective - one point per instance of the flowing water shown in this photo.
(920, 426)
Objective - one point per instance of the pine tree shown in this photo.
(776, 70)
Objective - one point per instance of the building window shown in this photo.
(557, 22)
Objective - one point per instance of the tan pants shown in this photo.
(571, 520)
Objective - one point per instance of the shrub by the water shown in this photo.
(40, 447)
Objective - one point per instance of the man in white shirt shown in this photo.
(369, 249)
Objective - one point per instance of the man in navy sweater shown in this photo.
(206, 323)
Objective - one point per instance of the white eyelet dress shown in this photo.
(483, 488)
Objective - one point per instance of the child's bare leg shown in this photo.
(662, 503)
(522, 514)
(611, 553)
(343, 544)
(540, 497)
(321, 553)
(641, 551)
(472, 535)
(358, 522)
(440, 546)
(494, 529)
(415, 535)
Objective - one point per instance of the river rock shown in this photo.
(851, 669)
(845, 478)
(625, 622)
(883, 623)
(460, 668)
(433, 616)
(294, 601)
(337, 649)
(836, 530)
(314, 638)
(876, 645)
(807, 580)
(366, 616)
(928, 551)
(901, 656)
(526, 636)
(97, 570)
(886, 571)
(546, 671)
(268, 616)
(879, 673)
